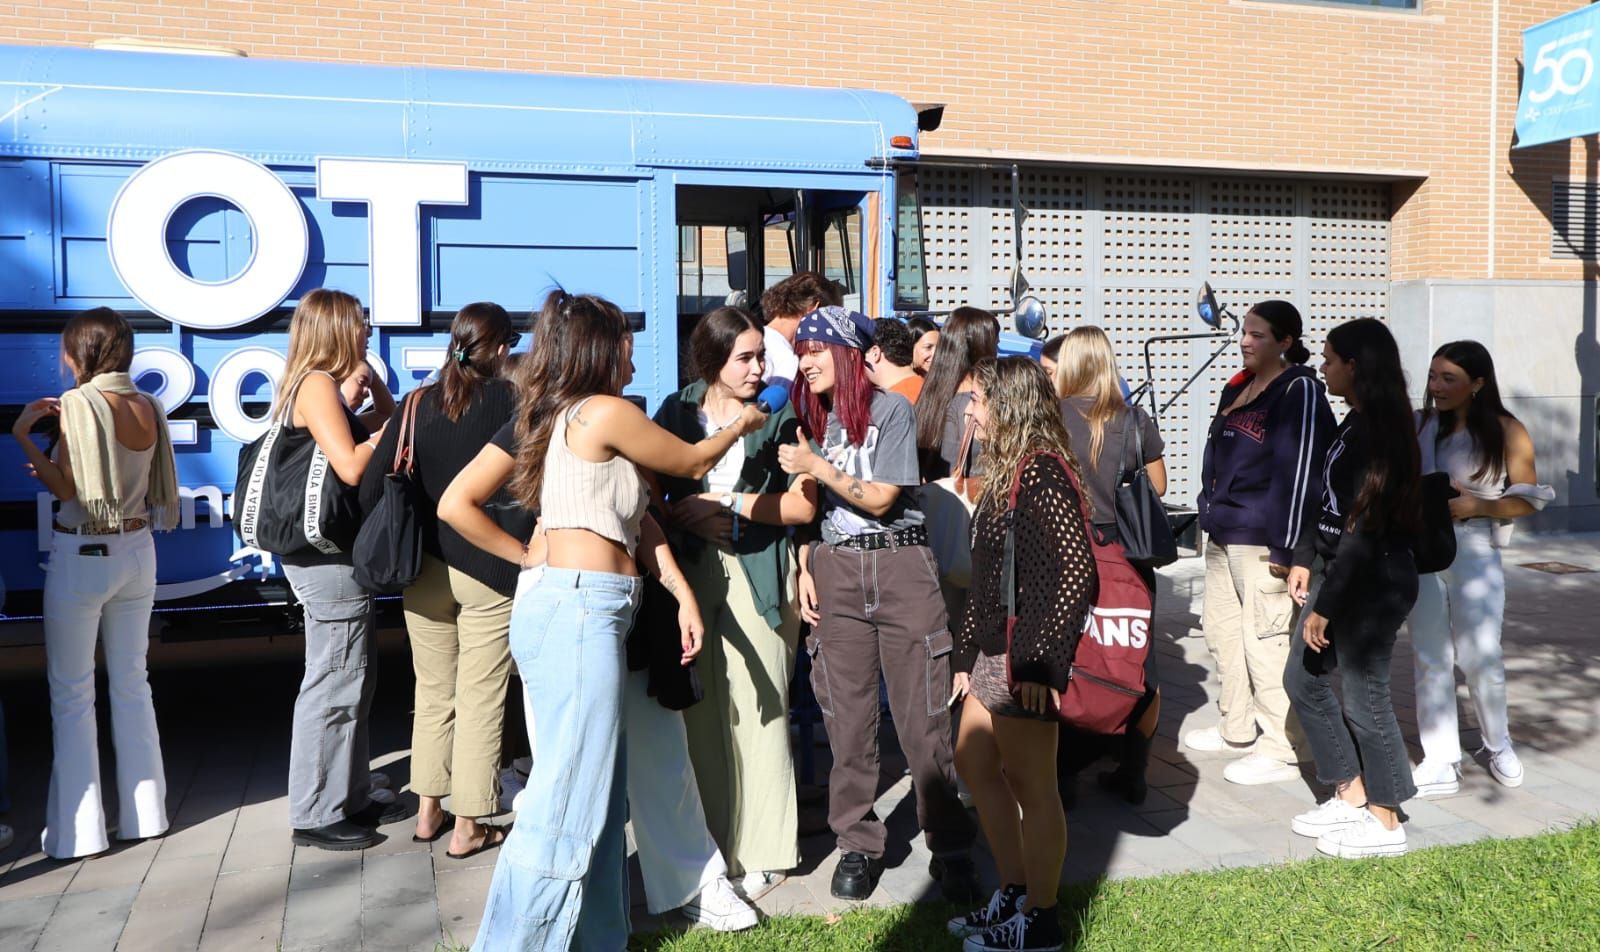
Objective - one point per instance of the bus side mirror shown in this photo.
(1030, 318)
(1205, 302)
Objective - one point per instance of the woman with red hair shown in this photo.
(871, 592)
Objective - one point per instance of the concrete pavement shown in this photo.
(227, 877)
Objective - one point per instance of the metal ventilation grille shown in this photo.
(947, 218)
(1126, 251)
(1575, 220)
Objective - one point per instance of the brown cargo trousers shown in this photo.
(882, 612)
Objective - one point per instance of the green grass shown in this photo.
(1537, 893)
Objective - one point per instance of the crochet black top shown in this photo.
(1056, 579)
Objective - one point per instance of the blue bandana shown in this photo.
(835, 325)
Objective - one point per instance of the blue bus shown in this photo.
(200, 196)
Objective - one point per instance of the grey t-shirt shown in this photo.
(1116, 453)
(889, 455)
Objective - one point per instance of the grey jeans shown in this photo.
(329, 762)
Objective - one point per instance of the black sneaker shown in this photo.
(957, 877)
(376, 814)
(1002, 906)
(1037, 930)
(852, 879)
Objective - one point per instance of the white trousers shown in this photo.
(106, 599)
(1456, 622)
(677, 855)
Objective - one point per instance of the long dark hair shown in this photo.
(1390, 497)
(969, 335)
(99, 341)
(1486, 414)
(713, 338)
(1284, 319)
(575, 342)
(474, 356)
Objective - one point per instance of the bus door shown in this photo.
(735, 242)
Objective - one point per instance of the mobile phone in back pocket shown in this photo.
(97, 548)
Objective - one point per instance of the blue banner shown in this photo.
(1560, 91)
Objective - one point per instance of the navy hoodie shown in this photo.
(1263, 462)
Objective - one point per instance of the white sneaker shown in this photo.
(1333, 814)
(1259, 768)
(752, 886)
(1504, 766)
(1367, 838)
(1435, 778)
(719, 907)
(1210, 740)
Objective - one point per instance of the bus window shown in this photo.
(841, 247)
(910, 271)
(778, 239)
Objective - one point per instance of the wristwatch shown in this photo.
(726, 501)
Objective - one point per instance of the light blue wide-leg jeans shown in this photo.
(561, 880)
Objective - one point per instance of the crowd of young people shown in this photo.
(546, 499)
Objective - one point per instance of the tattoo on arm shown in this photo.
(578, 419)
(670, 583)
(852, 486)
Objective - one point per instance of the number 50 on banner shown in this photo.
(1560, 98)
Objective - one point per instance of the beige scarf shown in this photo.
(91, 435)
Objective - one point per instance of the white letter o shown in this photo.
(137, 237)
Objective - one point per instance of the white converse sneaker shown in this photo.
(1435, 778)
(1367, 838)
(1258, 768)
(719, 907)
(1504, 766)
(1333, 814)
(1211, 741)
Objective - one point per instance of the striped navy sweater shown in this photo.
(1263, 463)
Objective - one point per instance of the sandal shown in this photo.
(445, 825)
(492, 838)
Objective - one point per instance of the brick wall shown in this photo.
(1230, 82)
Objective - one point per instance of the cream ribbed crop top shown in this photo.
(133, 486)
(607, 498)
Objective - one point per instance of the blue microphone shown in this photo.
(773, 399)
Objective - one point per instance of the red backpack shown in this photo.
(1107, 675)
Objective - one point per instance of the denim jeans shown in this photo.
(561, 880)
(329, 759)
(1363, 738)
(105, 600)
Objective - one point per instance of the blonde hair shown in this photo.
(327, 333)
(1024, 419)
(1087, 367)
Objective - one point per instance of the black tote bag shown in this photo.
(288, 500)
(388, 550)
(1141, 518)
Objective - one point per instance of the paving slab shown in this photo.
(154, 927)
(87, 920)
(251, 897)
(22, 921)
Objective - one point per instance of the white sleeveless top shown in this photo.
(608, 499)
